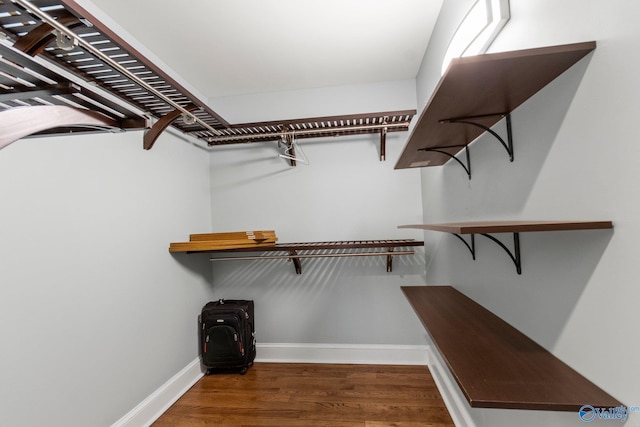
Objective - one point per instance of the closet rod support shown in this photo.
(35, 41)
(152, 134)
(296, 260)
(383, 144)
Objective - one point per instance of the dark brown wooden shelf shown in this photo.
(484, 228)
(478, 227)
(482, 89)
(494, 364)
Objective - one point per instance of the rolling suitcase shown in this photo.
(227, 335)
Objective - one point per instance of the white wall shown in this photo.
(96, 314)
(345, 193)
(575, 158)
(317, 102)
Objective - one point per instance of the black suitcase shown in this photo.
(227, 335)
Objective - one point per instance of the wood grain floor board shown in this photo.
(282, 394)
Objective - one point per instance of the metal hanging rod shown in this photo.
(247, 258)
(106, 59)
(292, 132)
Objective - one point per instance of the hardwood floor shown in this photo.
(279, 394)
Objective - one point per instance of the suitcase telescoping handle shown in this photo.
(222, 301)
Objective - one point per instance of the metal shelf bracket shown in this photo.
(296, 261)
(441, 149)
(515, 255)
(508, 144)
(471, 246)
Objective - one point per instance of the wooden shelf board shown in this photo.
(494, 364)
(234, 235)
(477, 227)
(207, 246)
(489, 84)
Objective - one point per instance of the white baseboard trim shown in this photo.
(450, 392)
(343, 353)
(150, 409)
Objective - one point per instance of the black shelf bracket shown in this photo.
(471, 246)
(508, 144)
(515, 255)
(440, 149)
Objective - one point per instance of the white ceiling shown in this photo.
(234, 47)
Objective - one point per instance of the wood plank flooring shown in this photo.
(284, 394)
